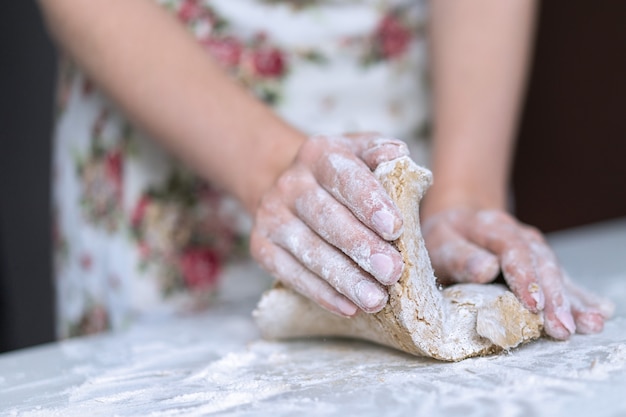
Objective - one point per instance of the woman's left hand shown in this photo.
(470, 245)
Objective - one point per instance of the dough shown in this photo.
(461, 321)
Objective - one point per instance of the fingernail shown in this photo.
(383, 267)
(370, 295)
(482, 268)
(384, 222)
(564, 315)
(589, 322)
(346, 307)
(537, 294)
(555, 329)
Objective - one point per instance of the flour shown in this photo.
(215, 364)
(349, 185)
(462, 321)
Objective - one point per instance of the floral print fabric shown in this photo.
(135, 233)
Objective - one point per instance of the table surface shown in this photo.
(215, 363)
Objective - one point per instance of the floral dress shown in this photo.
(136, 234)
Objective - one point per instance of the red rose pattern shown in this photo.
(140, 211)
(200, 268)
(113, 165)
(191, 10)
(393, 37)
(102, 180)
(196, 260)
(184, 231)
(268, 62)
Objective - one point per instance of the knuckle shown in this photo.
(313, 148)
(265, 203)
(284, 184)
(259, 250)
(533, 233)
(494, 217)
(264, 216)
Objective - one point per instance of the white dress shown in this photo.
(136, 233)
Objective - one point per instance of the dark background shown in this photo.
(27, 71)
(571, 159)
(569, 167)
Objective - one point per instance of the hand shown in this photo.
(468, 245)
(324, 228)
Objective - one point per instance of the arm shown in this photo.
(480, 53)
(165, 82)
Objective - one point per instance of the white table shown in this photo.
(215, 363)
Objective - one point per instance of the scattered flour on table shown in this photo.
(327, 377)
(187, 374)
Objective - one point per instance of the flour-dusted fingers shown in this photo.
(338, 226)
(588, 320)
(590, 311)
(350, 181)
(589, 299)
(499, 233)
(454, 258)
(333, 222)
(558, 309)
(530, 267)
(293, 274)
(284, 229)
(333, 218)
(330, 264)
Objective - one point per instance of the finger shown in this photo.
(338, 226)
(330, 264)
(457, 260)
(589, 310)
(558, 319)
(588, 299)
(374, 148)
(588, 320)
(498, 233)
(280, 226)
(351, 182)
(286, 269)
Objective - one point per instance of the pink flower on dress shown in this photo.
(200, 268)
(102, 186)
(226, 51)
(140, 211)
(190, 10)
(113, 165)
(392, 36)
(268, 62)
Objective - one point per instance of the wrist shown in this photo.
(445, 196)
(275, 153)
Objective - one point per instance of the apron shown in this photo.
(138, 235)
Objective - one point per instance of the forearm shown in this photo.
(479, 55)
(167, 84)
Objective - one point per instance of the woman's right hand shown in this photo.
(324, 228)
